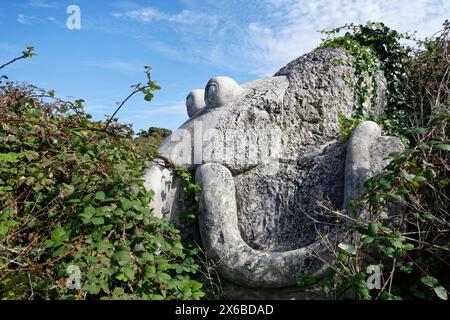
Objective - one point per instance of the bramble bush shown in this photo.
(411, 248)
(71, 197)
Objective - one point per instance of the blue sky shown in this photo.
(185, 41)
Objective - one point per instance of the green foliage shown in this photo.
(71, 195)
(411, 248)
(146, 89)
(147, 141)
(376, 50)
(27, 53)
(347, 124)
(192, 192)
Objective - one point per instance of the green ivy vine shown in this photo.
(409, 250)
(375, 50)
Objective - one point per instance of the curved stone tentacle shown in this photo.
(366, 156)
(358, 162)
(235, 259)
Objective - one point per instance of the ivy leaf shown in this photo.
(162, 277)
(9, 157)
(129, 272)
(406, 267)
(306, 281)
(408, 246)
(441, 292)
(59, 235)
(87, 214)
(367, 240)
(4, 227)
(100, 196)
(123, 258)
(60, 251)
(150, 271)
(98, 220)
(407, 176)
(68, 189)
(348, 248)
(444, 147)
(429, 281)
(372, 229)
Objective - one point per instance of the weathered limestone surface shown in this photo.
(266, 156)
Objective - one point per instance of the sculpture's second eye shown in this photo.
(221, 91)
(212, 96)
(195, 102)
(189, 101)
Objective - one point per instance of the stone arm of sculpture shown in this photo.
(242, 264)
(220, 235)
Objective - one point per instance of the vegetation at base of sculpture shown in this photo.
(74, 216)
(411, 250)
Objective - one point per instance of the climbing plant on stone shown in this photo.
(410, 248)
(376, 50)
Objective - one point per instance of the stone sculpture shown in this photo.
(267, 155)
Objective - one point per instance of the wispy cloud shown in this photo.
(24, 19)
(295, 24)
(115, 64)
(260, 36)
(150, 14)
(43, 4)
(31, 20)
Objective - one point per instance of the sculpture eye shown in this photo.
(195, 102)
(222, 91)
(212, 94)
(189, 101)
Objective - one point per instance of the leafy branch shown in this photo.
(147, 89)
(28, 53)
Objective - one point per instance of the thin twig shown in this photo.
(122, 103)
(31, 287)
(24, 56)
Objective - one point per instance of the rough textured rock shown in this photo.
(266, 154)
(236, 260)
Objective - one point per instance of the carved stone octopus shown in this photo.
(268, 159)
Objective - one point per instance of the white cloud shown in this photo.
(115, 64)
(261, 36)
(295, 24)
(43, 4)
(24, 19)
(149, 14)
(32, 20)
